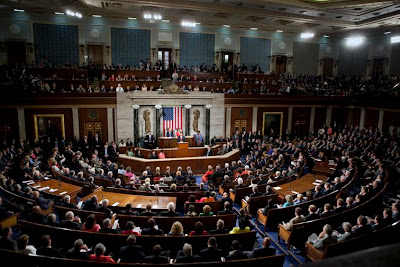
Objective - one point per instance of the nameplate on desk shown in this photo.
(53, 190)
(319, 181)
(139, 206)
(316, 183)
(277, 188)
(63, 193)
(44, 188)
(115, 204)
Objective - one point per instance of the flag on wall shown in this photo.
(172, 118)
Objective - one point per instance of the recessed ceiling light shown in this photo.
(253, 28)
(59, 13)
(279, 31)
(387, 32)
(326, 36)
(19, 10)
(96, 16)
(306, 35)
(131, 18)
(165, 20)
(226, 26)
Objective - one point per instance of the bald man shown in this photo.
(264, 251)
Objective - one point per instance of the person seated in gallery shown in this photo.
(153, 155)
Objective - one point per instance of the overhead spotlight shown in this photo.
(189, 24)
(355, 41)
(59, 13)
(96, 16)
(227, 26)
(157, 17)
(279, 31)
(73, 14)
(326, 36)
(131, 18)
(165, 20)
(19, 10)
(306, 35)
(253, 28)
(395, 39)
(387, 33)
(148, 16)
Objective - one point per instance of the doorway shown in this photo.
(227, 60)
(92, 128)
(280, 64)
(164, 56)
(240, 125)
(378, 66)
(16, 52)
(328, 67)
(95, 54)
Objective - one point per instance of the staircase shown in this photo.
(166, 82)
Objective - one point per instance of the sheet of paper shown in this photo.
(28, 182)
(53, 190)
(316, 184)
(319, 181)
(63, 193)
(294, 192)
(79, 206)
(139, 206)
(46, 178)
(115, 204)
(277, 188)
(36, 186)
(44, 188)
(115, 224)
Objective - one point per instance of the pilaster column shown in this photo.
(21, 123)
(289, 121)
(158, 117)
(380, 120)
(328, 116)
(228, 122)
(75, 122)
(208, 121)
(362, 118)
(136, 124)
(110, 123)
(187, 119)
(312, 119)
(254, 124)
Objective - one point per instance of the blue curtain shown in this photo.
(353, 60)
(196, 48)
(57, 44)
(130, 46)
(255, 51)
(394, 59)
(305, 58)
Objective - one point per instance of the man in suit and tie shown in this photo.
(169, 133)
(208, 151)
(129, 142)
(114, 152)
(264, 251)
(211, 253)
(181, 138)
(85, 146)
(96, 143)
(149, 140)
(198, 138)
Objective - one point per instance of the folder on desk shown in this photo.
(43, 188)
(53, 190)
(46, 178)
(316, 183)
(36, 186)
(319, 181)
(294, 192)
(63, 193)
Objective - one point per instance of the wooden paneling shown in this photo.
(84, 117)
(301, 121)
(9, 128)
(261, 110)
(241, 114)
(95, 53)
(320, 118)
(29, 121)
(371, 118)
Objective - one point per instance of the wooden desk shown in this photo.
(167, 142)
(300, 185)
(174, 152)
(70, 189)
(124, 199)
(198, 163)
(324, 168)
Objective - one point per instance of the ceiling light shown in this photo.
(395, 39)
(355, 41)
(165, 20)
(228, 26)
(189, 24)
(131, 18)
(326, 36)
(157, 17)
(253, 28)
(306, 35)
(59, 13)
(387, 32)
(97, 16)
(279, 31)
(148, 16)
(73, 14)
(19, 10)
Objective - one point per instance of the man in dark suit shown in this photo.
(236, 254)
(6, 242)
(79, 251)
(148, 211)
(131, 253)
(227, 209)
(181, 138)
(149, 140)
(264, 251)
(107, 227)
(114, 152)
(186, 256)
(91, 204)
(169, 133)
(96, 142)
(211, 253)
(220, 228)
(171, 211)
(312, 215)
(46, 249)
(71, 222)
(152, 228)
(129, 142)
(104, 208)
(208, 151)
(85, 144)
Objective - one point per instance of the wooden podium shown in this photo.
(183, 145)
(171, 142)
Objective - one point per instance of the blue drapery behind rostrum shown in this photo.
(56, 44)
(196, 48)
(255, 51)
(130, 46)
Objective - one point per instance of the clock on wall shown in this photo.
(93, 114)
(227, 41)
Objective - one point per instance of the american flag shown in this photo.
(172, 118)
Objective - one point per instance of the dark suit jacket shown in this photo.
(50, 252)
(8, 243)
(156, 260)
(109, 231)
(211, 254)
(262, 252)
(169, 213)
(131, 254)
(219, 231)
(105, 210)
(188, 259)
(71, 225)
(148, 231)
(224, 212)
(236, 255)
(209, 153)
(148, 213)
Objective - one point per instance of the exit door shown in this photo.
(164, 56)
(92, 128)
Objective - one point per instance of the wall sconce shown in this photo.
(82, 51)
(217, 55)
(30, 47)
(108, 50)
(290, 59)
(321, 62)
(272, 59)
